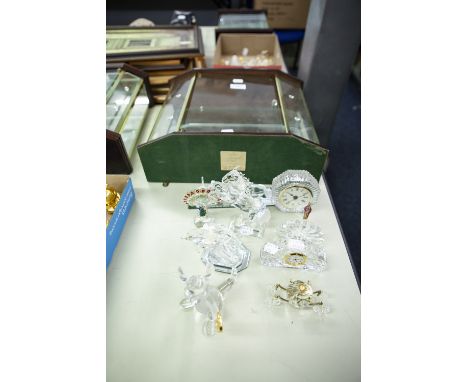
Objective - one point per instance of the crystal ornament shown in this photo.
(201, 219)
(299, 245)
(292, 253)
(294, 189)
(221, 247)
(206, 299)
(300, 295)
(308, 233)
(236, 190)
(200, 197)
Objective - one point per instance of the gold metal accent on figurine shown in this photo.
(298, 294)
(219, 322)
(112, 199)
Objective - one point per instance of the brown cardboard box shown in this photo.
(285, 14)
(229, 44)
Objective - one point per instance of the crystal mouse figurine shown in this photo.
(205, 298)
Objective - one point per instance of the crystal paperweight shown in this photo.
(206, 299)
(236, 190)
(220, 247)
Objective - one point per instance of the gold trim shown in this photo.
(130, 104)
(114, 84)
(186, 100)
(219, 322)
(288, 256)
(280, 96)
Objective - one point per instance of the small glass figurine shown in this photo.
(236, 190)
(201, 219)
(300, 295)
(299, 245)
(201, 198)
(206, 299)
(221, 247)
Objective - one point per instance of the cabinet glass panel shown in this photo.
(120, 97)
(140, 40)
(134, 122)
(225, 102)
(255, 101)
(169, 115)
(296, 112)
(110, 79)
(243, 21)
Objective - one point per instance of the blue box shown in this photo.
(122, 184)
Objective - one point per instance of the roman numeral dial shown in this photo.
(294, 189)
(295, 197)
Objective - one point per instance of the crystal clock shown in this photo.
(295, 189)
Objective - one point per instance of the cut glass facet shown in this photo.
(221, 247)
(236, 190)
(299, 245)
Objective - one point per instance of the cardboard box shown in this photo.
(230, 44)
(285, 14)
(122, 184)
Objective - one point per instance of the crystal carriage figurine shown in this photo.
(236, 190)
(300, 295)
(221, 247)
(206, 299)
(299, 245)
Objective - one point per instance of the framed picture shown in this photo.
(136, 43)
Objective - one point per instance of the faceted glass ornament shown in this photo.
(302, 230)
(221, 247)
(299, 245)
(236, 190)
(292, 253)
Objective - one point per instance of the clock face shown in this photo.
(295, 259)
(295, 198)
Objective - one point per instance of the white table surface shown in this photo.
(150, 338)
